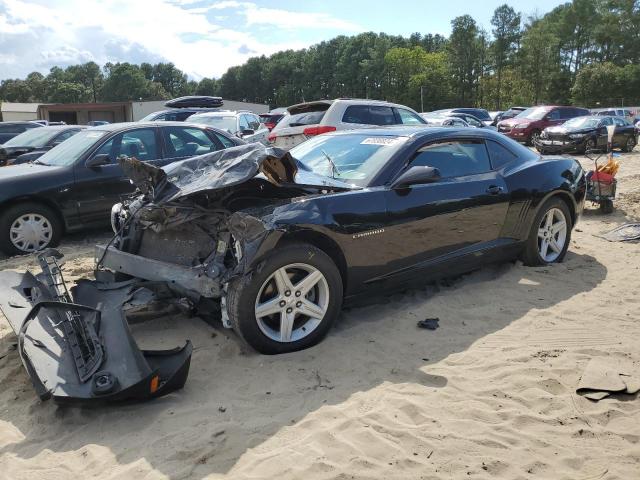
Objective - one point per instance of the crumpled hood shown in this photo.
(221, 169)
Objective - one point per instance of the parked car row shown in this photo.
(75, 184)
(34, 142)
(74, 177)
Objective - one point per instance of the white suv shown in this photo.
(314, 118)
(243, 124)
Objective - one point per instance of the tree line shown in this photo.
(586, 52)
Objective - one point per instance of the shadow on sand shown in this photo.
(236, 400)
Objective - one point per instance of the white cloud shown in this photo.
(256, 15)
(60, 32)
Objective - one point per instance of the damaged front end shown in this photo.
(195, 225)
(76, 345)
(199, 222)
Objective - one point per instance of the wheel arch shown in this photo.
(322, 242)
(36, 199)
(567, 199)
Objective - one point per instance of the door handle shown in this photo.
(494, 190)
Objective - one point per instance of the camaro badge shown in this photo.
(369, 233)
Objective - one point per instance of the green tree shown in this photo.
(506, 34)
(463, 58)
(125, 81)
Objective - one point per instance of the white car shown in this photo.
(244, 125)
(306, 120)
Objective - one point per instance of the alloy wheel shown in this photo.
(30, 232)
(552, 235)
(631, 143)
(292, 302)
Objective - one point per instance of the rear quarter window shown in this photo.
(499, 155)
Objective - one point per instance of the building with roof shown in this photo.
(112, 112)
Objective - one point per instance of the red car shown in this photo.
(527, 126)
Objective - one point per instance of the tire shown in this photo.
(535, 134)
(590, 144)
(38, 213)
(629, 145)
(606, 205)
(266, 334)
(532, 253)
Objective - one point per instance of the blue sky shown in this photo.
(205, 37)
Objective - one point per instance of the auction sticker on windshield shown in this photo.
(382, 141)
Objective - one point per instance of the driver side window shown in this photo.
(454, 158)
(140, 144)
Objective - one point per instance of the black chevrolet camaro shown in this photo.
(287, 238)
(587, 133)
(274, 243)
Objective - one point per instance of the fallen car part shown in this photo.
(76, 345)
(624, 233)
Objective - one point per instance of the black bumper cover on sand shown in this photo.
(58, 362)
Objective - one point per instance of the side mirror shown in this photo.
(417, 175)
(98, 161)
(248, 131)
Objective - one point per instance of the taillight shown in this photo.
(318, 130)
(272, 137)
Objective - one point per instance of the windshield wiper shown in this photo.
(334, 169)
(38, 162)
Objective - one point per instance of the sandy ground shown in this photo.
(490, 394)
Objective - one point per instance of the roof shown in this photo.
(53, 128)
(419, 131)
(19, 107)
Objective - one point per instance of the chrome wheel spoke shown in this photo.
(559, 226)
(554, 245)
(311, 309)
(308, 282)
(283, 284)
(544, 248)
(286, 325)
(268, 308)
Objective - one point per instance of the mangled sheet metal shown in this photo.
(194, 225)
(213, 171)
(76, 345)
(221, 169)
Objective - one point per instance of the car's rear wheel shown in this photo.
(550, 234)
(630, 144)
(29, 227)
(534, 137)
(289, 302)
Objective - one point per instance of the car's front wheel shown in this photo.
(289, 302)
(29, 227)
(630, 144)
(550, 234)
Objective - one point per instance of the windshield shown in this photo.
(69, 151)
(534, 113)
(353, 158)
(227, 123)
(36, 137)
(149, 117)
(582, 122)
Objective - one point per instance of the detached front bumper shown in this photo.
(77, 347)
